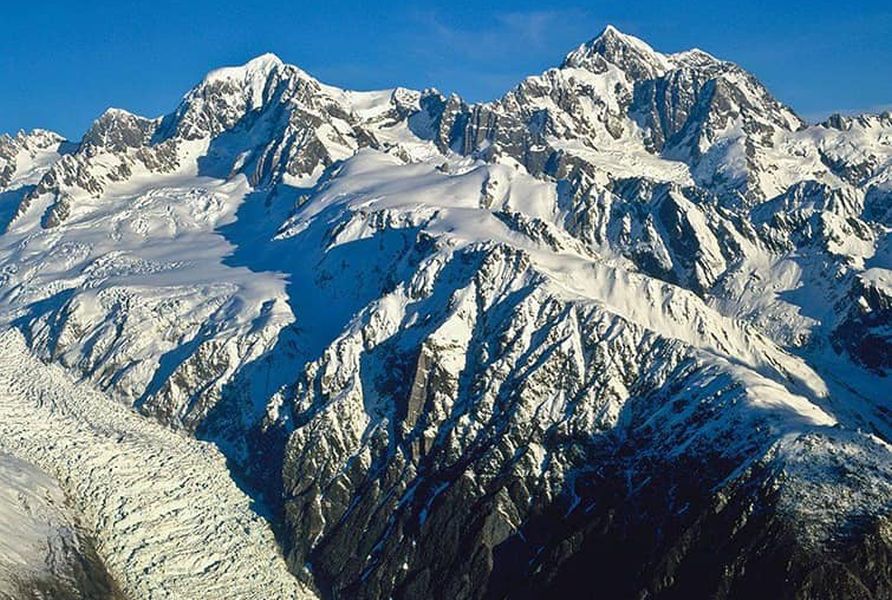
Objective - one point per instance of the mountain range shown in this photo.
(625, 332)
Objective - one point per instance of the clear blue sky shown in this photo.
(63, 63)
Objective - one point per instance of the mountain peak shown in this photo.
(266, 59)
(38, 135)
(629, 53)
(117, 129)
(113, 112)
(225, 94)
(609, 29)
(695, 58)
(266, 63)
(610, 36)
(259, 67)
(611, 32)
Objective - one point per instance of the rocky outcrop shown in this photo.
(865, 330)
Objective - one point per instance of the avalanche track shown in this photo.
(168, 520)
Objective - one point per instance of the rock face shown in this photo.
(865, 331)
(624, 332)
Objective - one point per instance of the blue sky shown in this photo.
(63, 63)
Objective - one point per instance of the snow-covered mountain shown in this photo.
(624, 332)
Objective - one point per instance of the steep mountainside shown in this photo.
(624, 332)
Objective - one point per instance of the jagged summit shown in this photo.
(611, 37)
(636, 57)
(117, 129)
(627, 52)
(33, 137)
